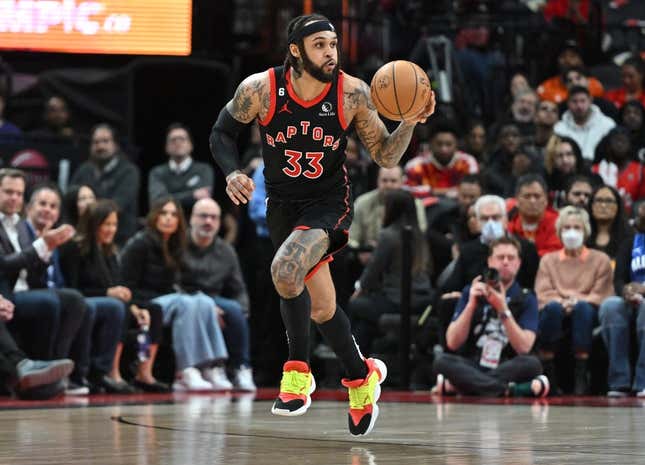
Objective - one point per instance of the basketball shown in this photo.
(400, 90)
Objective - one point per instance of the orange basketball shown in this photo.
(400, 90)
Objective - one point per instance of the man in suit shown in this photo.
(45, 320)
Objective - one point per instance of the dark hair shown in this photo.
(401, 210)
(89, 224)
(578, 69)
(618, 228)
(504, 240)
(579, 90)
(444, 125)
(528, 179)
(638, 64)
(45, 186)
(70, 204)
(177, 125)
(471, 179)
(109, 127)
(295, 25)
(12, 173)
(172, 249)
(575, 179)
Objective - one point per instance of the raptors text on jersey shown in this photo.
(303, 142)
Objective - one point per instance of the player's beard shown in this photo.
(317, 72)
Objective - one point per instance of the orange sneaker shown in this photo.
(296, 387)
(363, 394)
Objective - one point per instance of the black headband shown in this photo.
(316, 26)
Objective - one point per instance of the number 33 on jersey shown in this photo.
(303, 141)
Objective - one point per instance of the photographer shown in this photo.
(493, 330)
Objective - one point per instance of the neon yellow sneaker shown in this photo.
(296, 387)
(363, 394)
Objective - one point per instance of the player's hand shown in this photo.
(239, 187)
(426, 112)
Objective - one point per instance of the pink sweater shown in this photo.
(588, 277)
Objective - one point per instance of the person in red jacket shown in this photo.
(633, 74)
(534, 221)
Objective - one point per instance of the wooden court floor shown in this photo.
(239, 430)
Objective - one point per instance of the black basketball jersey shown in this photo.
(303, 142)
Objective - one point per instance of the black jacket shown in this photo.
(11, 262)
(143, 268)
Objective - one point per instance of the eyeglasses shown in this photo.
(177, 139)
(605, 201)
(207, 216)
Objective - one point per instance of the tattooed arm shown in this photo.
(385, 149)
(251, 99)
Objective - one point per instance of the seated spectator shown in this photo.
(490, 211)
(618, 169)
(112, 176)
(213, 268)
(46, 321)
(498, 175)
(368, 212)
(378, 290)
(533, 220)
(624, 314)
(75, 202)
(521, 114)
(583, 122)
(182, 177)
(29, 379)
(632, 117)
(492, 332)
(151, 265)
(608, 224)
(89, 264)
(578, 76)
(56, 120)
(571, 284)
(562, 162)
(94, 346)
(358, 164)
(6, 127)
(464, 226)
(546, 117)
(554, 88)
(578, 192)
(476, 142)
(633, 72)
(434, 173)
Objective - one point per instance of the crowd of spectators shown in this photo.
(528, 227)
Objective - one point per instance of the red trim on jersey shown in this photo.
(345, 199)
(269, 115)
(341, 114)
(327, 259)
(301, 228)
(298, 100)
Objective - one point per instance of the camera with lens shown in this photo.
(491, 277)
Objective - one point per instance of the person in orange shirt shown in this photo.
(633, 72)
(554, 89)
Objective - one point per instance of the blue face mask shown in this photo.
(492, 230)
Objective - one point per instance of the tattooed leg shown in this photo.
(298, 254)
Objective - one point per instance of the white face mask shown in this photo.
(492, 230)
(572, 239)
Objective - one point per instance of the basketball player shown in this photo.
(305, 109)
